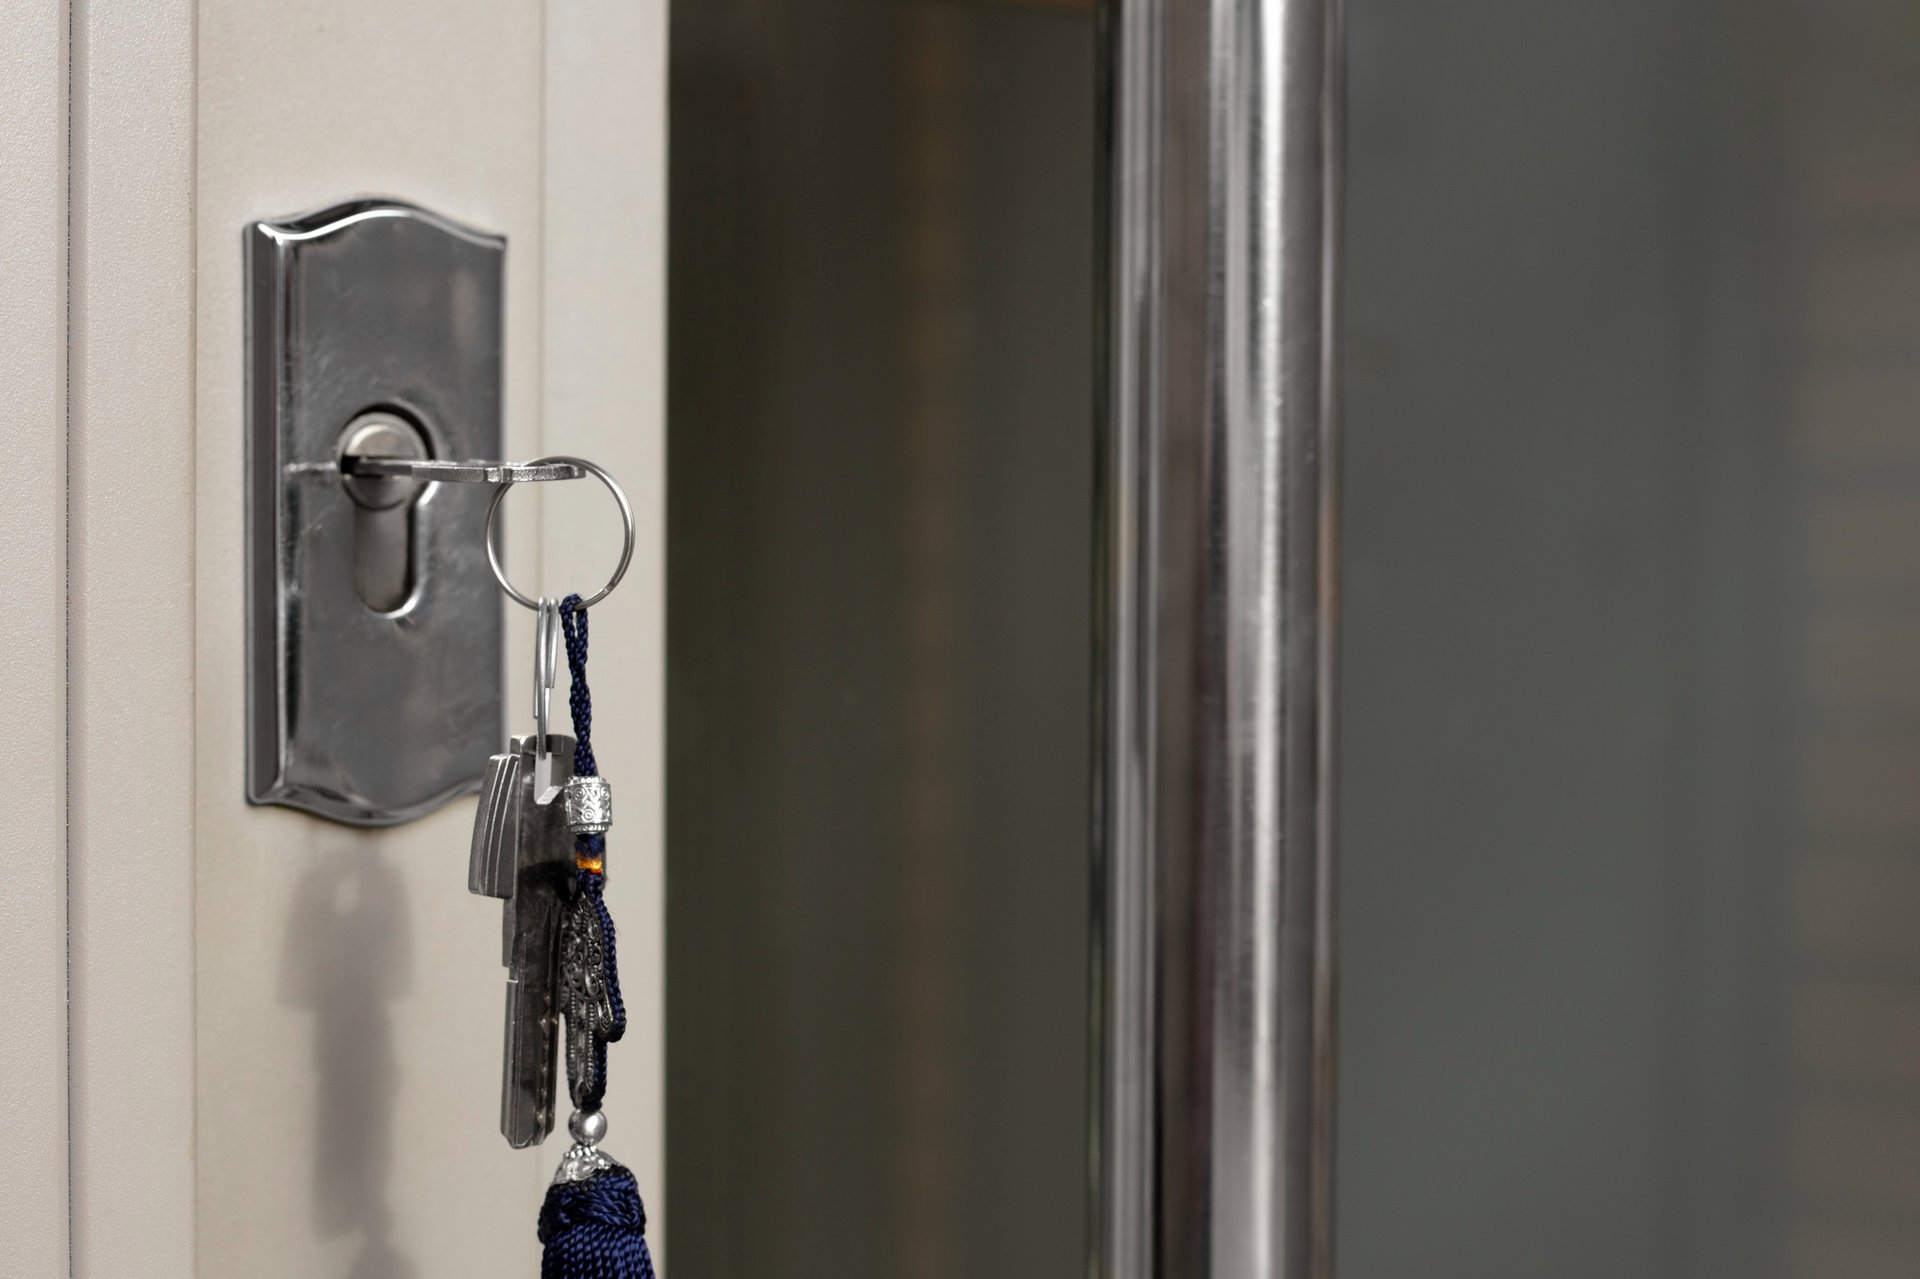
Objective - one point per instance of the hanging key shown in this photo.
(494, 860)
(523, 852)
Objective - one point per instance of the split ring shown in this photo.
(626, 517)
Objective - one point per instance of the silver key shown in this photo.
(494, 859)
(512, 831)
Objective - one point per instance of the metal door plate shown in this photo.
(366, 716)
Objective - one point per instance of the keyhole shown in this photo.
(383, 509)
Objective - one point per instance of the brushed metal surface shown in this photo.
(365, 715)
(1216, 825)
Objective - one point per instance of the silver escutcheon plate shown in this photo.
(370, 713)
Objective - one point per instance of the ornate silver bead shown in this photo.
(589, 803)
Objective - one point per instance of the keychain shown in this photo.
(539, 843)
(592, 1224)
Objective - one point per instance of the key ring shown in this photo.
(626, 517)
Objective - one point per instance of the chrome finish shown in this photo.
(589, 805)
(377, 452)
(382, 316)
(547, 780)
(463, 472)
(626, 521)
(536, 894)
(587, 1127)
(581, 1161)
(1216, 820)
(383, 524)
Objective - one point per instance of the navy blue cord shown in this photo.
(596, 1228)
(573, 628)
(590, 848)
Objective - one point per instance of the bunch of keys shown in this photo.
(539, 845)
(532, 811)
(526, 851)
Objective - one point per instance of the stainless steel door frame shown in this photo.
(1215, 815)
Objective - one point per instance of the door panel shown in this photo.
(284, 1034)
(1628, 877)
(33, 635)
(349, 988)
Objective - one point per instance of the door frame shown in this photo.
(109, 639)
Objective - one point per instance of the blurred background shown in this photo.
(1630, 682)
(1630, 888)
(882, 374)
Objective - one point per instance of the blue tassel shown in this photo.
(595, 1229)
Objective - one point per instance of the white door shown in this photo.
(244, 1041)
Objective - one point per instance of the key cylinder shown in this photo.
(383, 570)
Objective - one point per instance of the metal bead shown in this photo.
(589, 803)
(588, 1126)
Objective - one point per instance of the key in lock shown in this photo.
(383, 558)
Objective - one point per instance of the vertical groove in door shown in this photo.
(603, 288)
(33, 1056)
(131, 595)
(932, 614)
(67, 20)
